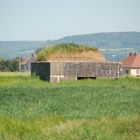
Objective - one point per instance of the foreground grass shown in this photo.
(76, 110)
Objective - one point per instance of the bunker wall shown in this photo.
(41, 69)
(58, 71)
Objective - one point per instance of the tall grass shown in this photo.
(69, 48)
(75, 110)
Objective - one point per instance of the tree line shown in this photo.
(9, 65)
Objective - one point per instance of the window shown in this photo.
(138, 72)
(127, 72)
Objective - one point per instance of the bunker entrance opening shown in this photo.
(85, 78)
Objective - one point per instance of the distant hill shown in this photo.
(112, 40)
(114, 45)
(12, 49)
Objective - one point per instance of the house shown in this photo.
(131, 64)
(55, 71)
(25, 64)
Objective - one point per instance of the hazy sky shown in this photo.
(53, 19)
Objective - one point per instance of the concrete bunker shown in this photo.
(55, 71)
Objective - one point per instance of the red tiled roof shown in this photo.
(132, 61)
(24, 61)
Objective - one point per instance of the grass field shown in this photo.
(101, 109)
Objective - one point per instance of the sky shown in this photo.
(54, 19)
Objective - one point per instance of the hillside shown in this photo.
(70, 51)
(12, 49)
(116, 43)
(113, 40)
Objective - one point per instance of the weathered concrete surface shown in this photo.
(70, 70)
(41, 69)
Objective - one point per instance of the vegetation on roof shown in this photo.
(63, 49)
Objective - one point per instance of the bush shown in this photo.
(9, 65)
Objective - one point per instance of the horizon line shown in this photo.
(45, 40)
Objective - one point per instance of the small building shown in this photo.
(25, 64)
(55, 71)
(131, 64)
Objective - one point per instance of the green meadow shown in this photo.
(102, 109)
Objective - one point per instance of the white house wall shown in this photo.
(133, 72)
